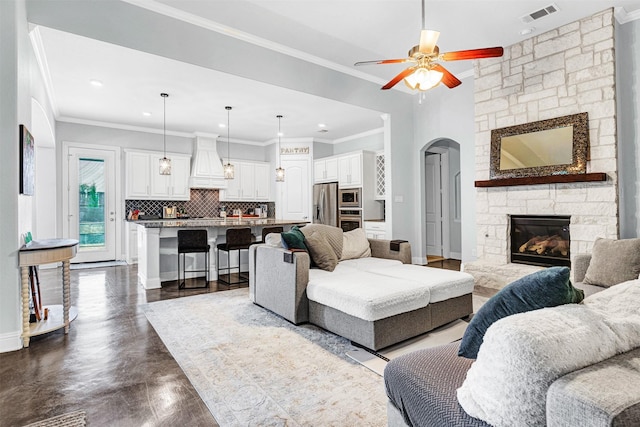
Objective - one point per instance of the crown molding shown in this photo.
(123, 127)
(359, 135)
(190, 18)
(43, 65)
(623, 17)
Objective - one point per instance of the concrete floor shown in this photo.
(112, 364)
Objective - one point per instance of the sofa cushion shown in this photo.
(321, 252)
(545, 288)
(332, 234)
(365, 295)
(293, 239)
(355, 244)
(523, 354)
(273, 239)
(613, 262)
(369, 263)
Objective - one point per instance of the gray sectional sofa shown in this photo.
(375, 301)
(591, 351)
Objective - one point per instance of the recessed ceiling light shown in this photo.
(222, 125)
(146, 114)
(96, 83)
(280, 134)
(526, 31)
(322, 125)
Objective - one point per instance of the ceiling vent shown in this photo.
(530, 17)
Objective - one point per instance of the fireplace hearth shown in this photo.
(540, 240)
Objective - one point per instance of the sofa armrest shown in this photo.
(604, 394)
(279, 285)
(381, 248)
(580, 264)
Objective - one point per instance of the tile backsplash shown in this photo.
(203, 203)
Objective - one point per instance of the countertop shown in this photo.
(215, 222)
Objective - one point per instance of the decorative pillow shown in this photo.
(321, 252)
(545, 288)
(273, 239)
(355, 244)
(613, 262)
(293, 239)
(332, 234)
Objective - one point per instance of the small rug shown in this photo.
(378, 361)
(443, 335)
(85, 265)
(72, 419)
(251, 367)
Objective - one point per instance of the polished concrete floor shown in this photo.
(112, 364)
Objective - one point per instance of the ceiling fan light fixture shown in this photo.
(428, 40)
(423, 79)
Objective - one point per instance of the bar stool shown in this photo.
(192, 241)
(238, 239)
(268, 230)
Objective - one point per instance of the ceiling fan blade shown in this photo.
(406, 72)
(384, 61)
(488, 52)
(449, 80)
(428, 40)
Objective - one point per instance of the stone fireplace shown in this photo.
(565, 71)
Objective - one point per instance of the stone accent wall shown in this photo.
(565, 71)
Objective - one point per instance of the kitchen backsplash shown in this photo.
(203, 203)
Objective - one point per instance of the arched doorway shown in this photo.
(442, 224)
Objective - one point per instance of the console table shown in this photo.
(48, 251)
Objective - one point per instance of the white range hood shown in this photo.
(206, 165)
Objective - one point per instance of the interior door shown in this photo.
(295, 191)
(433, 204)
(91, 203)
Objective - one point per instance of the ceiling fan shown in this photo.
(425, 71)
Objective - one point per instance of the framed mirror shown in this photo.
(558, 146)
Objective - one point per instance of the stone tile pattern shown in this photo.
(203, 203)
(565, 71)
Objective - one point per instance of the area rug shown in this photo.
(71, 419)
(251, 367)
(377, 361)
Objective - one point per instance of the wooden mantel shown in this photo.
(550, 179)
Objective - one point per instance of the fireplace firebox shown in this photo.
(540, 240)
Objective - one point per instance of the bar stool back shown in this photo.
(192, 241)
(238, 239)
(268, 230)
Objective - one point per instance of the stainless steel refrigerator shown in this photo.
(325, 204)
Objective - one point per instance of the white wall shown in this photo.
(374, 142)
(448, 114)
(15, 104)
(628, 111)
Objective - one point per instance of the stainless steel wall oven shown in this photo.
(350, 219)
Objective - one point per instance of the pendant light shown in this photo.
(165, 164)
(228, 168)
(279, 169)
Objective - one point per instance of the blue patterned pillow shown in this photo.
(545, 288)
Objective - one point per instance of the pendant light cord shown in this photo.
(279, 142)
(228, 123)
(164, 123)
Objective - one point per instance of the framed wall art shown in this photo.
(27, 162)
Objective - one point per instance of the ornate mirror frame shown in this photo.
(580, 147)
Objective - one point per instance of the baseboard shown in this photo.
(10, 341)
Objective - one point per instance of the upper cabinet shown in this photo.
(251, 182)
(143, 180)
(350, 170)
(325, 170)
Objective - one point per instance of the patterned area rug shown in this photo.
(251, 367)
(72, 419)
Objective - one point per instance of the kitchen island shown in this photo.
(158, 243)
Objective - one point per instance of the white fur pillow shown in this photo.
(355, 244)
(273, 239)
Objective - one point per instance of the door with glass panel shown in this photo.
(91, 203)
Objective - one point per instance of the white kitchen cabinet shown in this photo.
(137, 175)
(325, 170)
(143, 180)
(131, 247)
(375, 229)
(174, 186)
(350, 170)
(251, 182)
